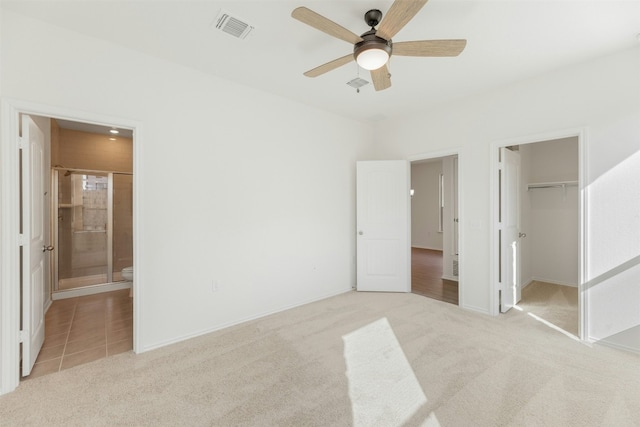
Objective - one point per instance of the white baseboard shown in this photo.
(90, 290)
(617, 346)
(239, 321)
(527, 283)
(47, 305)
(474, 308)
(428, 248)
(553, 282)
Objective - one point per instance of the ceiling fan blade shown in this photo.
(400, 12)
(381, 78)
(429, 48)
(325, 25)
(331, 65)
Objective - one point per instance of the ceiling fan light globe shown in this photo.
(372, 59)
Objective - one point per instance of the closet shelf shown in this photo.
(556, 184)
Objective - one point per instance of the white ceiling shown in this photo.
(508, 40)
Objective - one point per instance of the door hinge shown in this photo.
(22, 335)
(20, 142)
(20, 239)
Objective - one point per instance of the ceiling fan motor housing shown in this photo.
(371, 41)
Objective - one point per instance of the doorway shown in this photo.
(434, 228)
(538, 221)
(14, 244)
(92, 207)
(91, 222)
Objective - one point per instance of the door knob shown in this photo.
(47, 248)
(360, 232)
(521, 235)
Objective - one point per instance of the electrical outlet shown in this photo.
(214, 286)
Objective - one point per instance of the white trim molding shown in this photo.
(9, 250)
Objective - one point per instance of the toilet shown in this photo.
(127, 274)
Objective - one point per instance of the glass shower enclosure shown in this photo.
(94, 227)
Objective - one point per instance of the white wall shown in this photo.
(425, 179)
(552, 214)
(600, 97)
(236, 186)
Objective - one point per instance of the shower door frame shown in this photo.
(110, 284)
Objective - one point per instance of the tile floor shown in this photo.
(83, 329)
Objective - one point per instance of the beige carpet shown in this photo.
(358, 359)
(556, 304)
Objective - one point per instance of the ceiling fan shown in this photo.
(372, 49)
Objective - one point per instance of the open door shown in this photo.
(33, 242)
(509, 228)
(382, 224)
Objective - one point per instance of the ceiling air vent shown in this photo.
(357, 83)
(232, 25)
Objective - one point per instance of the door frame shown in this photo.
(581, 134)
(456, 151)
(10, 110)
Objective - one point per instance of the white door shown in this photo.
(382, 226)
(509, 228)
(33, 248)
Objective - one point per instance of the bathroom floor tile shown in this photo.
(85, 335)
(48, 353)
(54, 340)
(44, 368)
(83, 357)
(58, 320)
(88, 325)
(84, 344)
(89, 316)
(83, 329)
(120, 324)
(120, 334)
(119, 347)
(57, 329)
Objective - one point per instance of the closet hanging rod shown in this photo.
(559, 184)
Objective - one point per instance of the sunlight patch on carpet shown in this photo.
(552, 326)
(382, 385)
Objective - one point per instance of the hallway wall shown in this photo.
(425, 205)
